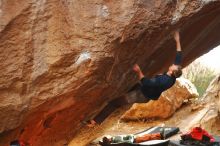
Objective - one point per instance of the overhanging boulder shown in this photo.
(62, 60)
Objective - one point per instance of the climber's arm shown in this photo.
(138, 71)
(144, 81)
(177, 39)
(178, 49)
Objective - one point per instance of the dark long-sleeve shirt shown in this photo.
(178, 58)
(152, 88)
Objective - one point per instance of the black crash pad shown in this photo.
(148, 143)
(177, 143)
(168, 132)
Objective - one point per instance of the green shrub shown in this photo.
(200, 75)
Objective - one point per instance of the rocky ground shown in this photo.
(202, 111)
(185, 118)
(62, 60)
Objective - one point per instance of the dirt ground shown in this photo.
(184, 118)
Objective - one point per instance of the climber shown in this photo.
(150, 88)
(153, 87)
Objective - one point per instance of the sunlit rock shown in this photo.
(168, 103)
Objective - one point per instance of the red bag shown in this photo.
(200, 134)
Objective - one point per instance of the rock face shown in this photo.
(62, 59)
(166, 105)
(212, 98)
(212, 94)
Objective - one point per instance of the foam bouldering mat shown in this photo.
(155, 143)
(147, 143)
(177, 143)
(168, 131)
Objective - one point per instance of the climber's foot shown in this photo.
(91, 124)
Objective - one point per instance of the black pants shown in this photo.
(148, 88)
(129, 98)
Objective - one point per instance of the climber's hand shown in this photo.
(136, 68)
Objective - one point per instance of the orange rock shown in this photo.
(166, 105)
(66, 58)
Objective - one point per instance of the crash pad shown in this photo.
(168, 132)
(147, 143)
(177, 143)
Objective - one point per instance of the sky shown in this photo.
(212, 59)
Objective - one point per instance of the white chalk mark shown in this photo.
(103, 11)
(177, 14)
(83, 56)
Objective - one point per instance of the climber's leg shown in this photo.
(133, 97)
(137, 86)
(109, 108)
(136, 97)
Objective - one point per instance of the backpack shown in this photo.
(198, 137)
